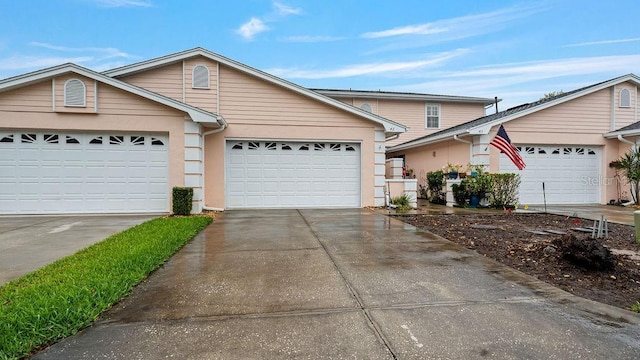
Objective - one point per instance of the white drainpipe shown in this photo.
(621, 138)
(456, 138)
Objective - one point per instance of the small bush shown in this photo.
(182, 200)
(402, 202)
(460, 193)
(435, 182)
(504, 190)
(636, 307)
(59, 299)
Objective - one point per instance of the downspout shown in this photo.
(204, 154)
(621, 138)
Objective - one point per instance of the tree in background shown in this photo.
(551, 94)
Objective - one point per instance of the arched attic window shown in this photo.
(75, 93)
(200, 77)
(366, 107)
(625, 98)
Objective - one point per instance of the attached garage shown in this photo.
(571, 174)
(52, 172)
(285, 174)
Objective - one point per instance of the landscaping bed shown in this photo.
(505, 238)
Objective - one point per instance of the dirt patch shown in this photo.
(517, 241)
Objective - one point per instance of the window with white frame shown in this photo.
(200, 77)
(433, 116)
(75, 93)
(625, 98)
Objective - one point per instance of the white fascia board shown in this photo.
(389, 126)
(614, 134)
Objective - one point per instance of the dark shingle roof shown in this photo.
(634, 126)
(399, 94)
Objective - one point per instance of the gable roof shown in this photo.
(196, 114)
(389, 125)
(483, 125)
(403, 96)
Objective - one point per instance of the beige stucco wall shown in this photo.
(118, 111)
(256, 109)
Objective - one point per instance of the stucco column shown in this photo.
(480, 150)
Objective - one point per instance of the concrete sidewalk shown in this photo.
(332, 284)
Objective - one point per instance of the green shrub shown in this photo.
(59, 299)
(636, 307)
(402, 201)
(182, 200)
(435, 182)
(504, 190)
(460, 193)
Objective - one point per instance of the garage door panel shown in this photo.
(564, 171)
(292, 174)
(59, 173)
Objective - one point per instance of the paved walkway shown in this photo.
(333, 284)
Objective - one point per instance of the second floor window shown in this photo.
(433, 116)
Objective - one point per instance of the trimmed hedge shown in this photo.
(59, 299)
(182, 198)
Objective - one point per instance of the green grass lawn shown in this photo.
(56, 301)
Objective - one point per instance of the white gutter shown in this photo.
(392, 137)
(456, 138)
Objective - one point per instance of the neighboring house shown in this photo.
(566, 141)
(76, 141)
(422, 114)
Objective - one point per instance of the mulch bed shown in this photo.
(505, 238)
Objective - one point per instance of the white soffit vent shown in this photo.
(200, 77)
(74, 93)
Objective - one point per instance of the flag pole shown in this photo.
(544, 196)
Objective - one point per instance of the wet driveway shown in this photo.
(345, 284)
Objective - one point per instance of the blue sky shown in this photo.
(516, 50)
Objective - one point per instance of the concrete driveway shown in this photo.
(333, 284)
(28, 243)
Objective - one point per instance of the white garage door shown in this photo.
(55, 172)
(571, 174)
(262, 174)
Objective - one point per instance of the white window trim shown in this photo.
(84, 93)
(426, 116)
(193, 77)
(620, 104)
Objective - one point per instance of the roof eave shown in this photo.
(400, 96)
(427, 141)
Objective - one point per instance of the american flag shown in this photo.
(503, 143)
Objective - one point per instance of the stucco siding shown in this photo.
(434, 157)
(166, 80)
(36, 97)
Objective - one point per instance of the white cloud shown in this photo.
(424, 29)
(285, 10)
(124, 3)
(419, 35)
(367, 69)
(251, 28)
(311, 39)
(32, 62)
(603, 42)
(104, 53)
